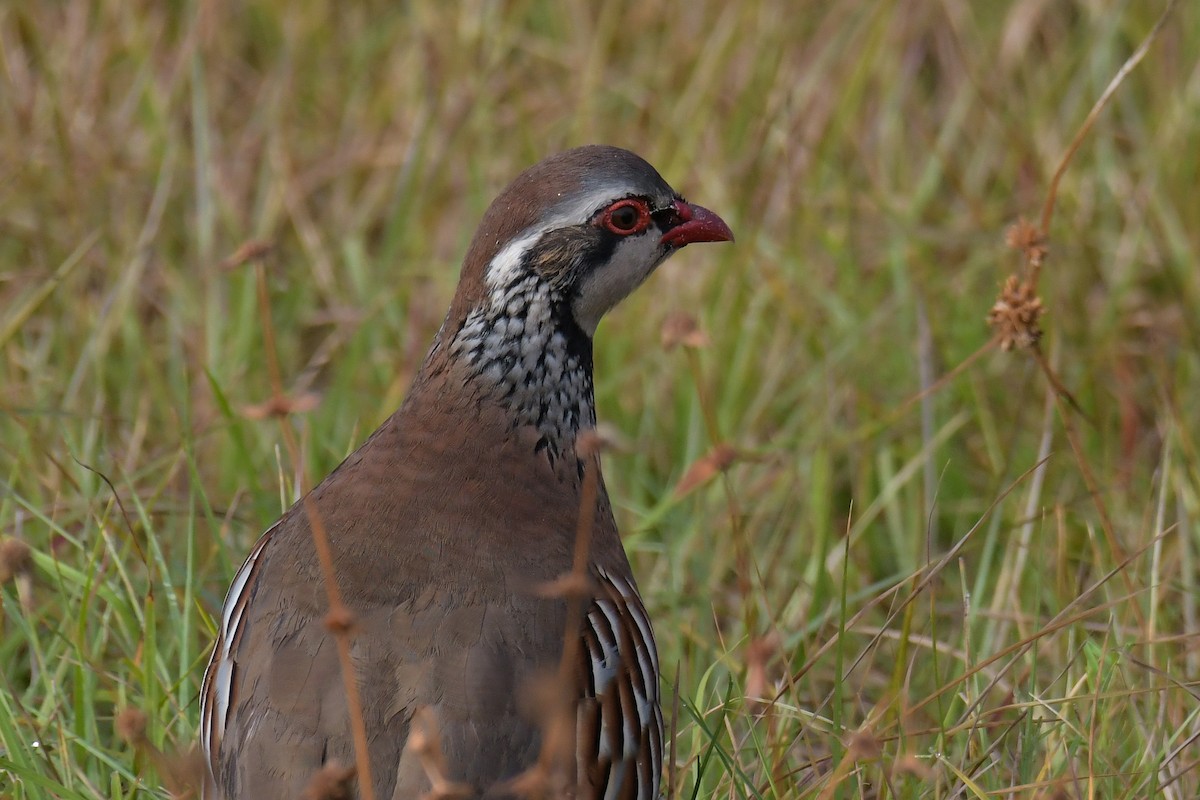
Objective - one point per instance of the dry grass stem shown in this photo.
(340, 620)
(182, 771)
(554, 701)
(1016, 314)
(424, 739)
(759, 653)
(1105, 97)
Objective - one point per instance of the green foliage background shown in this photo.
(933, 614)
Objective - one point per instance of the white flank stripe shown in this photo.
(217, 689)
(618, 620)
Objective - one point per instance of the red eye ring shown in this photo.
(626, 217)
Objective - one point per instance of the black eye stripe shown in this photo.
(668, 216)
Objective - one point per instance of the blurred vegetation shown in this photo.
(903, 586)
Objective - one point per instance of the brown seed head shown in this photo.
(1016, 313)
(682, 328)
(16, 558)
(864, 744)
(331, 782)
(253, 250)
(340, 621)
(912, 765)
(707, 467)
(130, 725)
(591, 442)
(1023, 235)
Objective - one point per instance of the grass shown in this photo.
(915, 581)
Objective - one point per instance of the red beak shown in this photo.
(698, 225)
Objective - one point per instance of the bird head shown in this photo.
(565, 242)
(580, 231)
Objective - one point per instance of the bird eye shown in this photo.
(626, 216)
